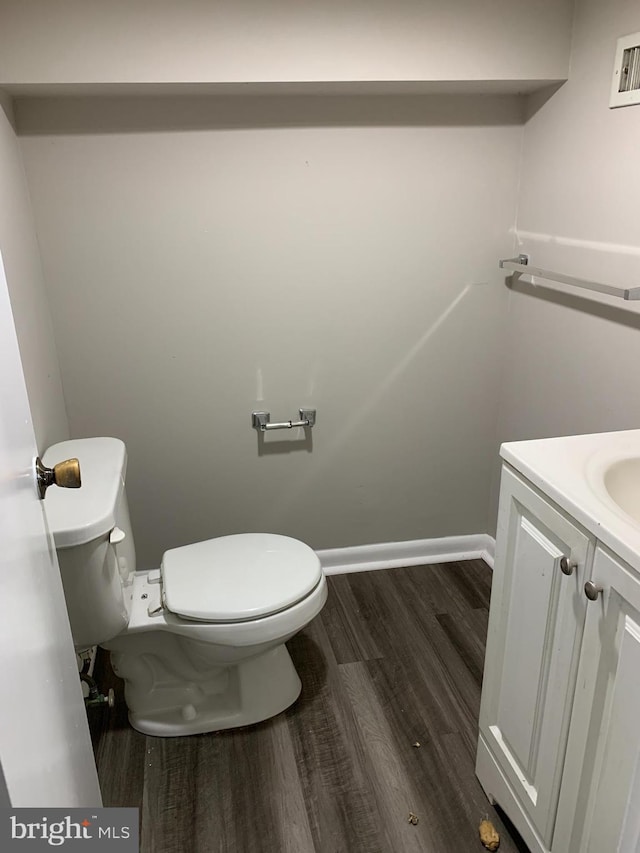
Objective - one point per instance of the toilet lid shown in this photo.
(240, 577)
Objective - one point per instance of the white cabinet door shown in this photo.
(604, 745)
(535, 630)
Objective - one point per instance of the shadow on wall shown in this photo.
(536, 100)
(150, 114)
(271, 447)
(6, 105)
(619, 314)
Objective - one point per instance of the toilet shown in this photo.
(199, 642)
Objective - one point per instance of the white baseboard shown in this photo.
(417, 552)
(489, 554)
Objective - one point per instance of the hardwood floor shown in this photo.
(394, 659)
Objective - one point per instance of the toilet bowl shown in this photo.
(200, 642)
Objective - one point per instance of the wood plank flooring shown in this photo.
(394, 658)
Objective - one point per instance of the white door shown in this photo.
(45, 748)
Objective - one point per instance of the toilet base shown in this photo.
(254, 690)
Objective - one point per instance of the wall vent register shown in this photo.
(625, 88)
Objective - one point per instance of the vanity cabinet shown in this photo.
(559, 744)
(533, 645)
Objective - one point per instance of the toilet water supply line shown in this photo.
(95, 697)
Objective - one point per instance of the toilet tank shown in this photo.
(93, 538)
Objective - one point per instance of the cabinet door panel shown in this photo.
(619, 783)
(535, 628)
(607, 813)
(534, 593)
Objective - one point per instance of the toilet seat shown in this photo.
(239, 577)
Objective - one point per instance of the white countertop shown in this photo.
(570, 470)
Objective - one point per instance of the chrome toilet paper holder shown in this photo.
(262, 421)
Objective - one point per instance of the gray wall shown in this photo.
(568, 365)
(571, 362)
(29, 300)
(206, 257)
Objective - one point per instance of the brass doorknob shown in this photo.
(65, 474)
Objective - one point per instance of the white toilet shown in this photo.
(198, 642)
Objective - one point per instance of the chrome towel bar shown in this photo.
(521, 265)
(262, 420)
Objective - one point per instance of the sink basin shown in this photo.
(622, 482)
(595, 478)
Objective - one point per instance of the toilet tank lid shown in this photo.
(78, 516)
